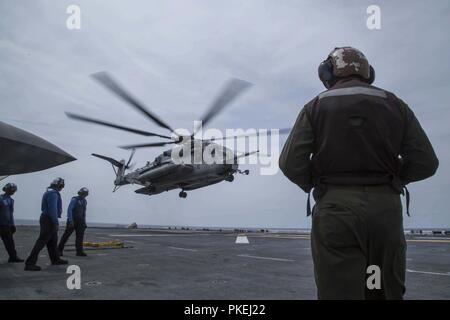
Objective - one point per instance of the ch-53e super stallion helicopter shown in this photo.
(164, 174)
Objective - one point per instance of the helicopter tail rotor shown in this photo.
(119, 168)
(127, 166)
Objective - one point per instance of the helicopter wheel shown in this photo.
(183, 194)
(229, 178)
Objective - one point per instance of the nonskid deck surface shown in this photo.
(201, 265)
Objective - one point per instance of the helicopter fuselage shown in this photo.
(163, 174)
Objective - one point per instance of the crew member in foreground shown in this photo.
(357, 147)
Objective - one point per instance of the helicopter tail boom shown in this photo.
(119, 168)
(110, 160)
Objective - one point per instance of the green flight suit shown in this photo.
(355, 226)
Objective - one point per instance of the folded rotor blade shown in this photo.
(23, 152)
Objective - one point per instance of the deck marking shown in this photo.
(184, 249)
(433, 238)
(275, 236)
(301, 237)
(429, 241)
(242, 240)
(429, 272)
(157, 235)
(264, 258)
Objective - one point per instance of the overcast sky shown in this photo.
(175, 56)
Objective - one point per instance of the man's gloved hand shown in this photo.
(13, 229)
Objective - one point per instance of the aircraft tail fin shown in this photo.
(119, 168)
(110, 160)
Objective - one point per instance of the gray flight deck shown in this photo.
(201, 265)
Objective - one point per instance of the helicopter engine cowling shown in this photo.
(162, 170)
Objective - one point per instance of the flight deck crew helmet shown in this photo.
(83, 192)
(10, 188)
(345, 62)
(57, 183)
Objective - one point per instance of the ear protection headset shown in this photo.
(58, 183)
(328, 78)
(10, 187)
(83, 192)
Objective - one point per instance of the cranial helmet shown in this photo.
(345, 62)
(57, 182)
(10, 188)
(83, 192)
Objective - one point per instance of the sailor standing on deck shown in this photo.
(76, 221)
(357, 146)
(51, 210)
(7, 227)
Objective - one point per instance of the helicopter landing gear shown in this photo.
(182, 194)
(229, 178)
(245, 172)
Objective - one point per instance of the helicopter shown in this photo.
(164, 173)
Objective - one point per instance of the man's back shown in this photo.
(360, 131)
(358, 134)
(6, 210)
(357, 146)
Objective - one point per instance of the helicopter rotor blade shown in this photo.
(236, 156)
(246, 154)
(280, 131)
(231, 90)
(133, 151)
(146, 145)
(106, 80)
(113, 125)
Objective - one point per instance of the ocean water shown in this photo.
(25, 222)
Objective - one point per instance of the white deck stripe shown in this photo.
(157, 235)
(184, 249)
(433, 238)
(279, 237)
(429, 272)
(264, 258)
(428, 241)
